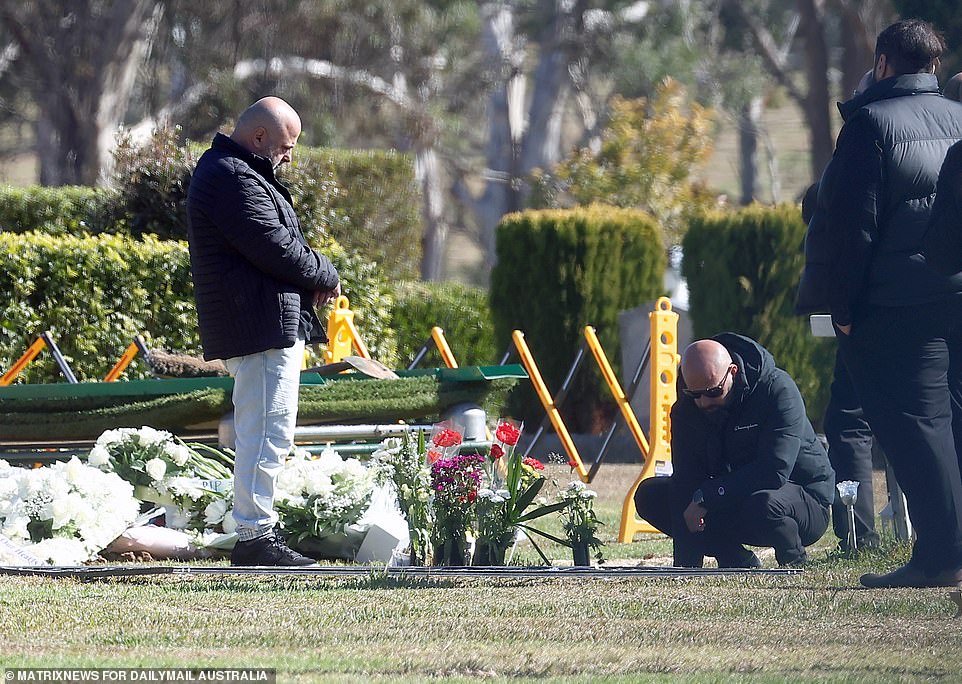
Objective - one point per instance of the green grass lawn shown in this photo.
(816, 626)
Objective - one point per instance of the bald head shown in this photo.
(953, 88)
(704, 363)
(269, 128)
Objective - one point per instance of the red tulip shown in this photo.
(507, 433)
(446, 438)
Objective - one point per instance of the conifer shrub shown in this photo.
(743, 269)
(560, 270)
(461, 311)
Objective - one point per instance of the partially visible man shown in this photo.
(899, 321)
(943, 239)
(256, 281)
(848, 433)
(748, 468)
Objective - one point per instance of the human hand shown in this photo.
(322, 297)
(695, 517)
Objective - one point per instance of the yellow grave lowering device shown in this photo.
(342, 337)
(664, 372)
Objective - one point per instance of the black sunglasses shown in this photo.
(711, 392)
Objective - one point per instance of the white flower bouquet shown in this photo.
(320, 501)
(193, 482)
(66, 513)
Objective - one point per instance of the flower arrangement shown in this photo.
(454, 482)
(193, 482)
(404, 462)
(513, 483)
(320, 499)
(65, 513)
(579, 521)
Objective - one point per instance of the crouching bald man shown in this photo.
(748, 468)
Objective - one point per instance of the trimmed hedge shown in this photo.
(66, 210)
(337, 401)
(560, 270)
(462, 311)
(367, 200)
(743, 269)
(95, 293)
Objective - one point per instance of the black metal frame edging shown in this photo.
(542, 572)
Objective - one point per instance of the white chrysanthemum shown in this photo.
(329, 462)
(189, 487)
(588, 494)
(64, 510)
(99, 456)
(15, 527)
(149, 436)
(178, 453)
(316, 482)
(109, 437)
(59, 551)
(156, 468)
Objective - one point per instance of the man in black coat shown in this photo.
(899, 322)
(256, 281)
(748, 468)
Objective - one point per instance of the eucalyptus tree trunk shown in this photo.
(84, 58)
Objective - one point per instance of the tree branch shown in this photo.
(773, 58)
(321, 68)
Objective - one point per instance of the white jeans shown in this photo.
(265, 413)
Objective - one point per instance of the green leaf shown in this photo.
(543, 510)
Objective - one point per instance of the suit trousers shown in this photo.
(850, 451)
(906, 363)
(787, 519)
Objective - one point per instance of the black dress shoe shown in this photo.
(268, 550)
(909, 576)
(742, 558)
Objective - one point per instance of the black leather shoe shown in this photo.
(909, 576)
(268, 550)
(743, 559)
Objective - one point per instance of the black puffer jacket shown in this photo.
(254, 273)
(765, 441)
(885, 168)
(943, 241)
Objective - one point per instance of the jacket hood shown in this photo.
(896, 86)
(753, 360)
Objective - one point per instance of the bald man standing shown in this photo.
(256, 283)
(748, 468)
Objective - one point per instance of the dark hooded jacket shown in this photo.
(254, 273)
(762, 441)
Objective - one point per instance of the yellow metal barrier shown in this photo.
(23, 361)
(437, 334)
(122, 363)
(342, 337)
(548, 402)
(664, 370)
(609, 375)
